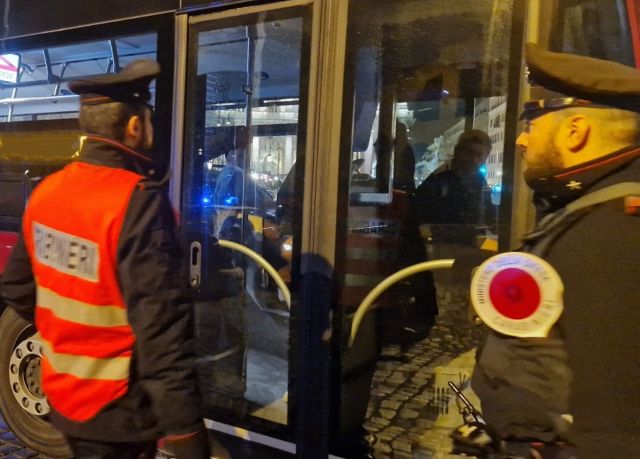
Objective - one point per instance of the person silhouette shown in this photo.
(456, 192)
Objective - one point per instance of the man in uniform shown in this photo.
(97, 269)
(582, 159)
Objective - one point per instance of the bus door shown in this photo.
(241, 192)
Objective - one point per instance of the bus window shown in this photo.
(38, 127)
(241, 186)
(602, 29)
(38, 114)
(39, 89)
(426, 86)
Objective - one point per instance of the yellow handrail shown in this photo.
(255, 256)
(388, 282)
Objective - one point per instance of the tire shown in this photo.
(35, 431)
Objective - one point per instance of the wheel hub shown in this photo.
(24, 377)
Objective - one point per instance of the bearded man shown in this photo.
(577, 385)
(97, 271)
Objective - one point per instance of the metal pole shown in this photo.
(248, 91)
(248, 85)
(47, 63)
(114, 55)
(14, 92)
(56, 90)
(27, 100)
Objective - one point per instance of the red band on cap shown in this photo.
(95, 100)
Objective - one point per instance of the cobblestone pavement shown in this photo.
(12, 448)
(409, 410)
(407, 404)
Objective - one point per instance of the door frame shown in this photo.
(311, 353)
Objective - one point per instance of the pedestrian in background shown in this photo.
(458, 192)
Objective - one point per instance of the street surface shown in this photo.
(412, 410)
(409, 411)
(12, 448)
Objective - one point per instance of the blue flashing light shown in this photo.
(231, 200)
(496, 192)
(206, 200)
(483, 170)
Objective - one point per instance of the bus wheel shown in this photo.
(23, 405)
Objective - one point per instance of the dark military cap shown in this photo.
(129, 85)
(584, 81)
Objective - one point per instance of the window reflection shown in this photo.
(39, 131)
(596, 28)
(41, 91)
(242, 187)
(428, 86)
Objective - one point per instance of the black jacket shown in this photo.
(598, 260)
(162, 397)
(597, 257)
(448, 197)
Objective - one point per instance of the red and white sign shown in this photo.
(517, 294)
(9, 66)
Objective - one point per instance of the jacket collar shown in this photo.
(570, 184)
(103, 151)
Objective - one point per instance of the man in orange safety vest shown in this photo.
(97, 269)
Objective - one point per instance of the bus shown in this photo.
(341, 110)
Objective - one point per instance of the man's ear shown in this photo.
(577, 132)
(134, 129)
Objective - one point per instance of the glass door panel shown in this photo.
(422, 169)
(241, 204)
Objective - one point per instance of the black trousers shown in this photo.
(91, 449)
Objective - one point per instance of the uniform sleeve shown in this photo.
(598, 262)
(18, 284)
(160, 314)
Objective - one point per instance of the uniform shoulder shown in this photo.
(150, 195)
(632, 205)
(614, 220)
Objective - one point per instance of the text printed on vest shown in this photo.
(66, 253)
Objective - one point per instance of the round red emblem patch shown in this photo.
(517, 294)
(514, 293)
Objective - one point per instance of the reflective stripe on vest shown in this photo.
(113, 369)
(71, 230)
(81, 312)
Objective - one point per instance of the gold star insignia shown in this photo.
(573, 185)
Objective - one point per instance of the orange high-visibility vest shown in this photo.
(71, 230)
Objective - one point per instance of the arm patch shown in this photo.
(632, 205)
